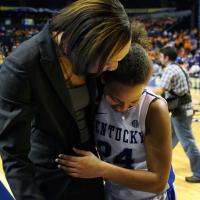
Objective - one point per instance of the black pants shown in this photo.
(56, 185)
(89, 189)
(52, 182)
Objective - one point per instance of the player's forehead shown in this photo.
(123, 92)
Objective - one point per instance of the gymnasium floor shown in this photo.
(185, 191)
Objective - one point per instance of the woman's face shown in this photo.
(112, 64)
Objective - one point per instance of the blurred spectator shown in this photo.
(175, 84)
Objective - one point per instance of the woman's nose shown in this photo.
(111, 66)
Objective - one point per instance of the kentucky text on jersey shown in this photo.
(119, 134)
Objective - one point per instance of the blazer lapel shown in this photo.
(50, 65)
(92, 88)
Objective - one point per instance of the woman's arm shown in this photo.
(15, 123)
(158, 150)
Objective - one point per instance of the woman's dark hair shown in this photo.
(93, 31)
(135, 68)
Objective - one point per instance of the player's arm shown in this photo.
(158, 144)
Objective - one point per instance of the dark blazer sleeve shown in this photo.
(15, 123)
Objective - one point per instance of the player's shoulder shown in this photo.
(157, 108)
(156, 102)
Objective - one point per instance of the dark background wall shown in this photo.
(180, 4)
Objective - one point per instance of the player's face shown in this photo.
(122, 97)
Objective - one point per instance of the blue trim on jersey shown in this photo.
(171, 194)
(153, 95)
(144, 91)
(4, 194)
(171, 177)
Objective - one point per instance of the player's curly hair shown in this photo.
(135, 68)
(139, 34)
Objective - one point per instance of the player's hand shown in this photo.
(84, 165)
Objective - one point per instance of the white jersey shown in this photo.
(120, 140)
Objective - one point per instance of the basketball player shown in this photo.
(133, 136)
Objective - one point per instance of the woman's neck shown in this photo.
(66, 65)
(68, 74)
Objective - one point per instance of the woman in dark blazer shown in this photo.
(47, 98)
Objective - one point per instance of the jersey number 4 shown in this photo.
(124, 158)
